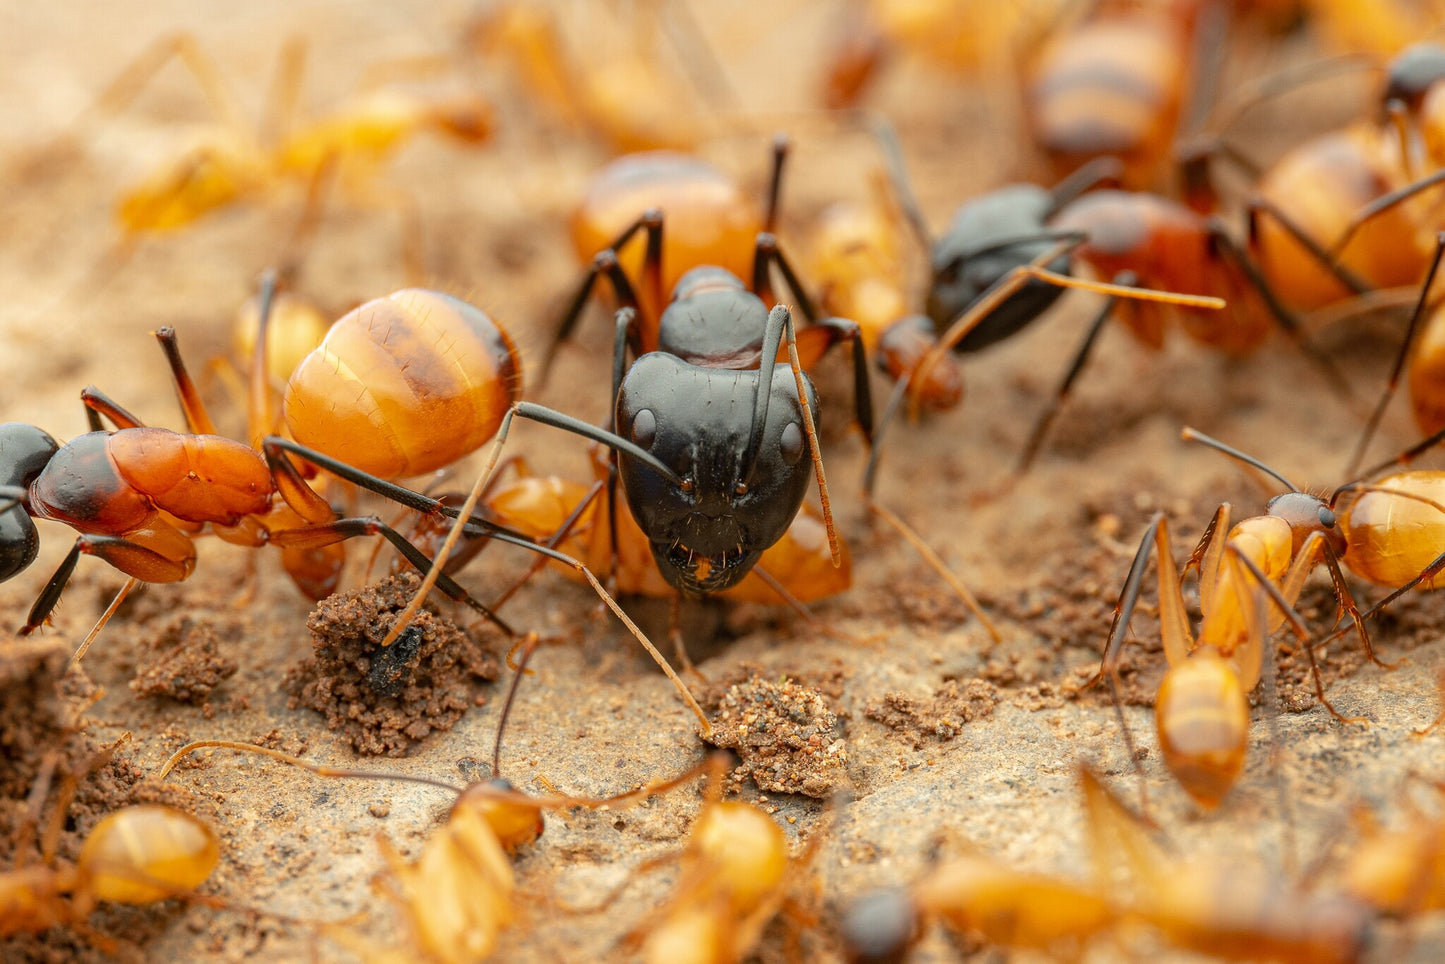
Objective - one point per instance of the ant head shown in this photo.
(707, 532)
(24, 451)
(1412, 72)
(516, 822)
(1305, 514)
(879, 927)
(988, 237)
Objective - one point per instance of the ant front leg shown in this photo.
(157, 553)
(98, 404)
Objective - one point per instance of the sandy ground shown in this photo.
(1046, 557)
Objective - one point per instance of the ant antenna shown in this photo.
(1190, 435)
(296, 761)
(529, 647)
(1394, 381)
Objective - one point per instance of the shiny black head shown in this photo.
(707, 533)
(1412, 73)
(879, 927)
(24, 452)
(988, 237)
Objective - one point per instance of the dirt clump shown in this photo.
(385, 700)
(786, 735)
(940, 716)
(185, 663)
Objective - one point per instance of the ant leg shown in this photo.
(816, 340)
(1382, 203)
(128, 555)
(98, 403)
(892, 150)
(134, 78)
(121, 595)
(1286, 321)
(674, 631)
(198, 420)
(1300, 630)
(781, 147)
(1346, 602)
(1206, 556)
(280, 110)
(1085, 178)
(1428, 729)
(605, 263)
(330, 533)
(1329, 260)
(1061, 394)
(1394, 381)
(767, 253)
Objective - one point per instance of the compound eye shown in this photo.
(1327, 517)
(791, 443)
(644, 428)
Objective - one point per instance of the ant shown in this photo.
(620, 92)
(1400, 872)
(733, 873)
(1209, 908)
(1385, 531)
(460, 893)
(147, 491)
(138, 854)
(974, 38)
(1005, 258)
(239, 164)
(1114, 84)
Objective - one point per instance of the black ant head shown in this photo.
(1305, 514)
(879, 927)
(24, 452)
(988, 237)
(690, 327)
(708, 531)
(1411, 74)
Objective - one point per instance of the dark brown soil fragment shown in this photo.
(939, 717)
(185, 664)
(36, 714)
(786, 735)
(385, 700)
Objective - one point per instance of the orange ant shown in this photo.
(1114, 85)
(734, 874)
(1209, 908)
(138, 854)
(1383, 530)
(1399, 872)
(459, 894)
(974, 38)
(238, 164)
(620, 91)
